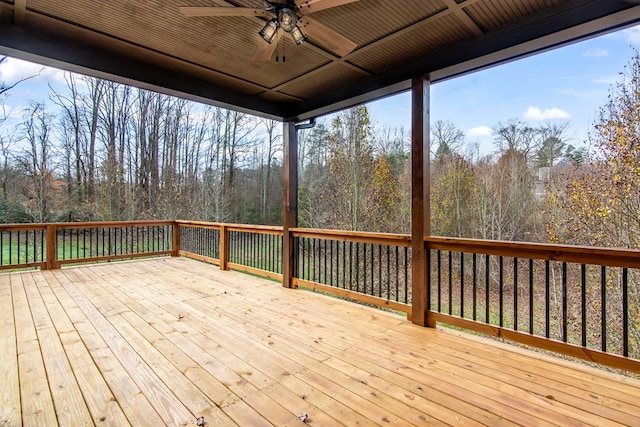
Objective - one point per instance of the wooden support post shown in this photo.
(420, 207)
(224, 248)
(52, 248)
(175, 250)
(290, 201)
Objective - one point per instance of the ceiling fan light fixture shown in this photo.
(269, 31)
(287, 19)
(297, 36)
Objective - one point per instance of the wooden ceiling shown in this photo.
(209, 59)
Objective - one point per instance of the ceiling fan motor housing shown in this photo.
(287, 19)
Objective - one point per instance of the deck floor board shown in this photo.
(165, 341)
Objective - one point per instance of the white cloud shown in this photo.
(12, 70)
(608, 80)
(480, 131)
(596, 53)
(535, 113)
(632, 34)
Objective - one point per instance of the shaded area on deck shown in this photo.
(164, 341)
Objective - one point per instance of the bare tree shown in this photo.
(36, 162)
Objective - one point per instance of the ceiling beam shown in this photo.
(71, 55)
(458, 11)
(19, 11)
(345, 60)
(566, 23)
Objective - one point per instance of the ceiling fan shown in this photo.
(284, 16)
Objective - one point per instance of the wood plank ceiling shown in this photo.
(151, 44)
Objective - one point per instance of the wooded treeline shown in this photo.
(99, 150)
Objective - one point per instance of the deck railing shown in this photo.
(23, 246)
(373, 268)
(49, 246)
(106, 241)
(254, 249)
(584, 302)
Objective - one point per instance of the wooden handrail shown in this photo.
(612, 257)
(108, 224)
(403, 240)
(22, 227)
(267, 229)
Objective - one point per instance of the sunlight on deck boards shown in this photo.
(165, 341)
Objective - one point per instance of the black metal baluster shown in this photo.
(372, 269)
(331, 255)
(564, 303)
(303, 256)
(450, 290)
(351, 265)
(314, 268)
(18, 248)
(364, 267)
(272, 254)
(42, 244)
(487, 278)
(583, 289)
(625, 312)
(439, 258)
(245, 247)
(379, 271)
(357, 267)
(474, 263)
(406, 275)
(429, 279)
(324, 256)
(388, 270)
(34, 252)
(531, 305)
(547, 302)
(397, 272)
(462, 284)
(515, 293)
(501, 286)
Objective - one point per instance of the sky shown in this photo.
(566, 84)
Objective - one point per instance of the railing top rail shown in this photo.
(614, 257)
(107, 224)
(233, 227)
(354, 236)
(22, 227)
(201, 224)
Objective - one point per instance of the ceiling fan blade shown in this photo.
(222, 11)
(309, 6)
(325, 36)
(265, 50)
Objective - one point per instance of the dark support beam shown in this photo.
(290, 200)
(420, 208)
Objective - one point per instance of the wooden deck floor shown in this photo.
(165, 341)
